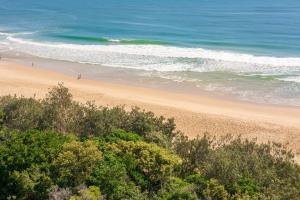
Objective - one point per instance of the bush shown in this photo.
(76, 162)
(159, 138)
(58, 112)
(176, 189)
(119, 134)
(21, 113)
(147, 164)
(200, 183)
(111, 176)
(25, 161)
(77, 150)
(215, 191)
(243, 166)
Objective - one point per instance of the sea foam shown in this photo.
(291, 79)
(158, 57)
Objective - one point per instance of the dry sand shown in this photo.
(193, 114)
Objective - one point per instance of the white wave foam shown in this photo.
(4, 34)
(291, 79)
(113, 40)
(15, 34)
(157, 57)
(164, 60)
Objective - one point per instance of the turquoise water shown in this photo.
(250, 50)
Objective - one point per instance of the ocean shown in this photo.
(249, 50)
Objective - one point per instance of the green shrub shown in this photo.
(58, 112)
(76, 162)
(112, 178)
(244, 167)
(159, 138)
(25, 161)
(176, 189)
(215, 191)
(55, 148)
(199, 182)
(21, 113)
(147, 164)
(120, 134)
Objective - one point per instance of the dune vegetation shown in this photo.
(59, 149)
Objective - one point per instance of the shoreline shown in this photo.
(111, 75)
(194, 114)
(155, 80)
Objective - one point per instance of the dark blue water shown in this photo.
(245, 44)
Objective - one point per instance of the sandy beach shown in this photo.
(193, 114)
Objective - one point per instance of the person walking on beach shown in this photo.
(79, 76)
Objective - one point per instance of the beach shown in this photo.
(149, 99)
(193, 114)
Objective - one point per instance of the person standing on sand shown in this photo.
(79, 76)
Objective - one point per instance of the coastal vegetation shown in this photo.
(59, 149)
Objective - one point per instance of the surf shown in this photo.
(150, 51)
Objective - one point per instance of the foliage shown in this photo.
(200, 183)
(90, 193)
(112, 178)
(59, 149)
(119, 134)
(76, 162)
(147, 164)
(215, 191)
(20, 113)
(1, 120)
(25, 162)
(58, 112)
(244, 167)
(159, 138)
(176, 189)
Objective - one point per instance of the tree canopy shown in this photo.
(56, 148)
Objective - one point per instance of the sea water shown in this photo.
(246, 49)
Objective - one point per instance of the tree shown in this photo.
(58, 109)
(194, 152)
(244, 167)
(112, 178)
(215, 191)
(119, 134)
(159, 139)
(59, 112)
(147, 164)
(200, 183)
(31, 183)
(76, 162)
(25, 162)
(21, 113)
(176, 189)
(139, 160)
